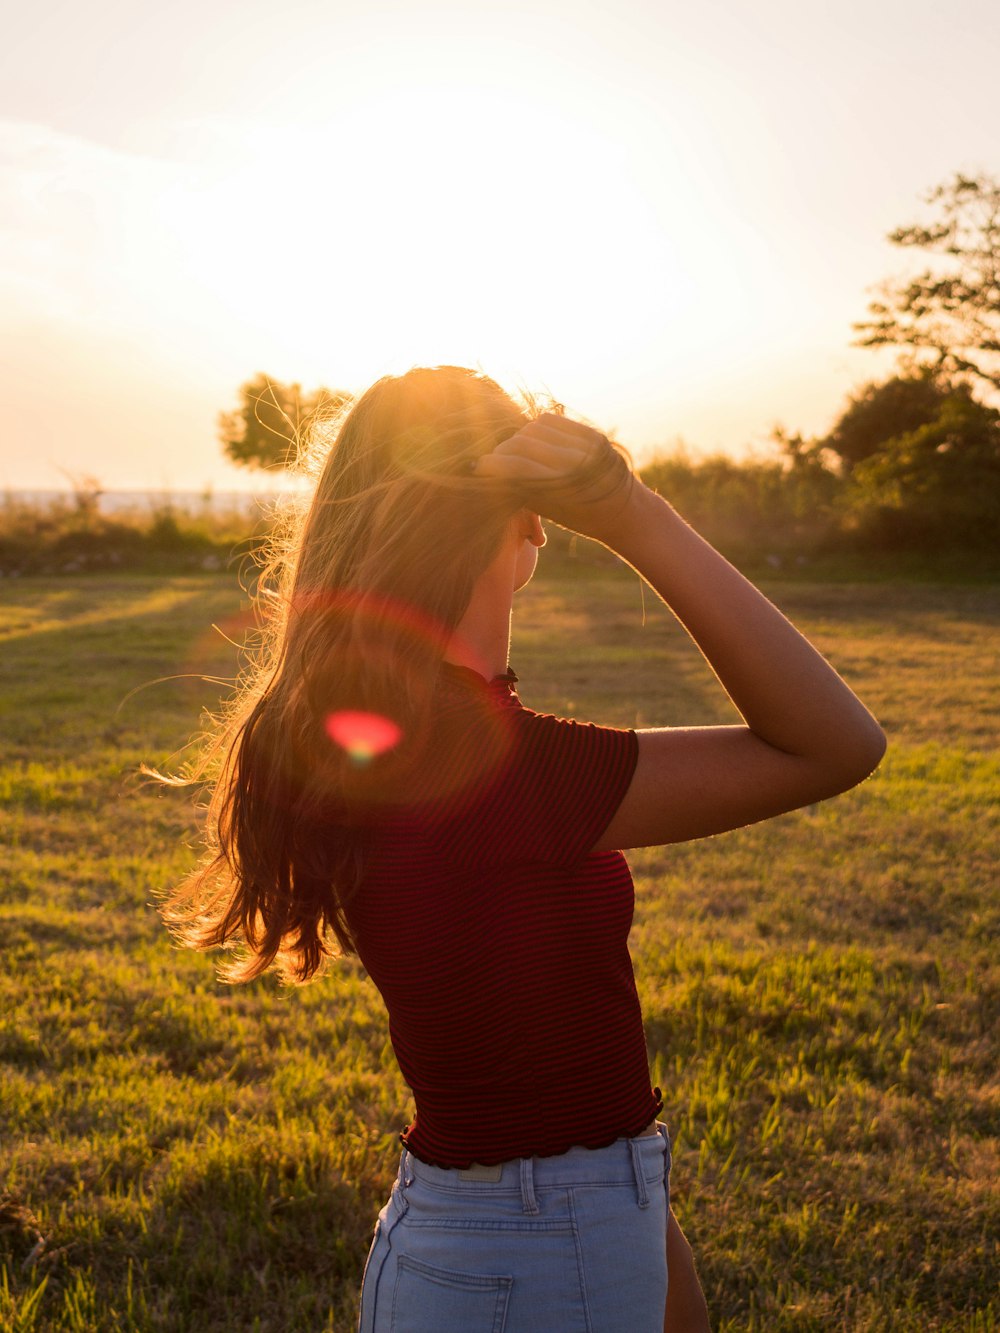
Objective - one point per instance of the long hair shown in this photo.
(357, 600)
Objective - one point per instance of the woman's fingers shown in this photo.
(564, 427)
(547, 447)
(561, 430)
(530, 457)
(513, 467)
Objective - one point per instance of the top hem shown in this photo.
(488, 1159)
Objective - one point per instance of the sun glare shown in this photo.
(431, 225)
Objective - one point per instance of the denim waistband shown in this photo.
(639, 1160)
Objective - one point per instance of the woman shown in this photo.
(380, 781)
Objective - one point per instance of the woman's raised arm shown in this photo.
(806, 735)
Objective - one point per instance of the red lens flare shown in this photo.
(362, 735)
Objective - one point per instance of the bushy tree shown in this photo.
(263, 432)
(951, 310)
(878, 412)
(937, 486)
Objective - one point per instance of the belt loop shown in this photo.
(528, 1201)
(664, 1134)
(640, 1175)
(404, 1178)
(405, 1169)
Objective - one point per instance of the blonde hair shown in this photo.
(358, 596)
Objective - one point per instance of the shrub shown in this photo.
(935, 488)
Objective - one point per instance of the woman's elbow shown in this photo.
(861, 755)
(872, 749)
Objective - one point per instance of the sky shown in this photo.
(667, 215)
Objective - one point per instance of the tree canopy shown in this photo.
(938, 485)
(879, 412)
(264, 431)
(951, 309)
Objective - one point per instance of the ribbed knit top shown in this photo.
(499, 941)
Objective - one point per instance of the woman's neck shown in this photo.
(483, 645)
(481, 640)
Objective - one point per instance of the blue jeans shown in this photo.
(567, 1244)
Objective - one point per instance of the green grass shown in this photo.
(821, 993)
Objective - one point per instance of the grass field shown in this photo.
(821, 993)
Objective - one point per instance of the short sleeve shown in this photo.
(549, 797)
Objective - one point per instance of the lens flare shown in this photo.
(362, 735)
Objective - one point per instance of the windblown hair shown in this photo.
(357, 598)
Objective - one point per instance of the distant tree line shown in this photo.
(911, 464)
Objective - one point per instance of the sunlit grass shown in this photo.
(820, 992)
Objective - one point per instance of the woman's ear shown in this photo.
(532, 529)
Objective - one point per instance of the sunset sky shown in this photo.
(667, 214)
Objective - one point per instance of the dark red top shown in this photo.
(499, 943)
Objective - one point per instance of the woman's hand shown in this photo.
(566, 472)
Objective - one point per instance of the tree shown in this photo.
(265, 429)
(937, 486)
(952, 308)
(879, 412)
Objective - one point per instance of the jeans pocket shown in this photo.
(438, 1300)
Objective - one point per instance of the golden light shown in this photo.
(446, 224)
